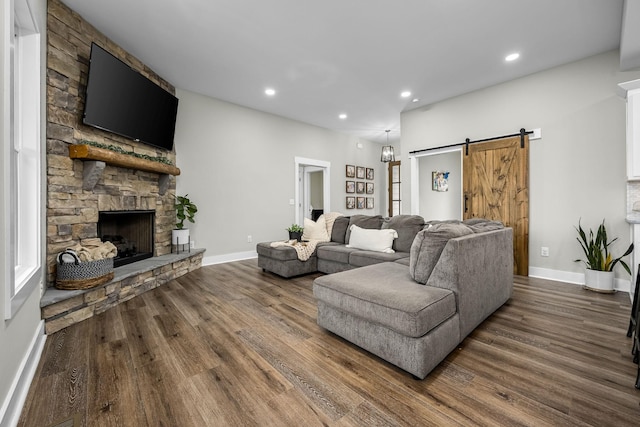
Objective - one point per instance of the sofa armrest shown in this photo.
(478, 268)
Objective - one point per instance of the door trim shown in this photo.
(326, 185)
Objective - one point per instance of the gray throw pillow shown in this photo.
(339, 231)
(407, 227)
(373, 222)
(428, 246)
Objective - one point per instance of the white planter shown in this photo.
(180, 236)
(599, 281)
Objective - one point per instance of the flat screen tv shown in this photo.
(123, 101)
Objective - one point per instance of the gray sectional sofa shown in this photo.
(334, 256)
(412, 307)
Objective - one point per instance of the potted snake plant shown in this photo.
(599, 262)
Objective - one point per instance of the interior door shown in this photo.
(496, 186)
(394, 188)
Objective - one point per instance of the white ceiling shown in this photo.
(328, 57)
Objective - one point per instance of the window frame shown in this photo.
(22, 152)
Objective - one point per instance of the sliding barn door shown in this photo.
(496, 186)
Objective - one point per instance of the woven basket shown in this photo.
(82, 275)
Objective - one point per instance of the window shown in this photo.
(394, 188)
(23, 150)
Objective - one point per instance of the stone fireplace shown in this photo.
(77, 211)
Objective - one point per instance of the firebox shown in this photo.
(132, 232)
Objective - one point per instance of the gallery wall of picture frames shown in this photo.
(358, 183)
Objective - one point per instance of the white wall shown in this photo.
(440, 205)
(577, 169)
(237, 165)
(20, 337)
(315, 190)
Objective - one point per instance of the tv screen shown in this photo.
(123, 101)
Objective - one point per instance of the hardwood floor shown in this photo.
(231, 345)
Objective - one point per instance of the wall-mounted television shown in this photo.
(123, 101)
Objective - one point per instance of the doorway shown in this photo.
(312, 188)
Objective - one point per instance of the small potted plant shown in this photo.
(295, 232)
(599, 261)
(185, 210)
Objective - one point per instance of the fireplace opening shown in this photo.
(132, 232)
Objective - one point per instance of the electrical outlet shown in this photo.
(193, 244)
(544, 251)
(249, 239)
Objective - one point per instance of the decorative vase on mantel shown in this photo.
(599, 281)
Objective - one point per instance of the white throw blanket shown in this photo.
(303, 249)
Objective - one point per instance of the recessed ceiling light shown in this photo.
(342, 116)
(512, 57)
(405, 94)
(270, 92)
(415, 100)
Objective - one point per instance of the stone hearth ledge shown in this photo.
(62, 308)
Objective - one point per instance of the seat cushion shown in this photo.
(385, 294)
(337, 253)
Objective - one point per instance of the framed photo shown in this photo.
(351, 171)
(369, 202)
(360, 172)
(369, 187)
(440, 181)
(351, 187)
(351, 202)
(370, 173)
(360, 202)
(359, 187)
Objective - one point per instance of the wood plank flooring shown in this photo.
(229, 345)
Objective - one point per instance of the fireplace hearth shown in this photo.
(132, 232)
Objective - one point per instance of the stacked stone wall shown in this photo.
(72, 213)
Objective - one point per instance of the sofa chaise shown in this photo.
(414, 316)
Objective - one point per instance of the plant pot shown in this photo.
(295, 235)
(180, 236)
(599, 281)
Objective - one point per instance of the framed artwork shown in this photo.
(370, 173)
(351, 171)
(351, 202)
(360, 202)
(369, 202)
(351, 187)
(359, 187)
(369, 187)
(360, 172)
(440, 181)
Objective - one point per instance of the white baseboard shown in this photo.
(221, 259)
(12, 406)
(621, 285)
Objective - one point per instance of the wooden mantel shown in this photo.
(96, 159)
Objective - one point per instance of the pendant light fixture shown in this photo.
(387, 151)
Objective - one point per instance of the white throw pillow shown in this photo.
(315, 230)
(372, 240)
